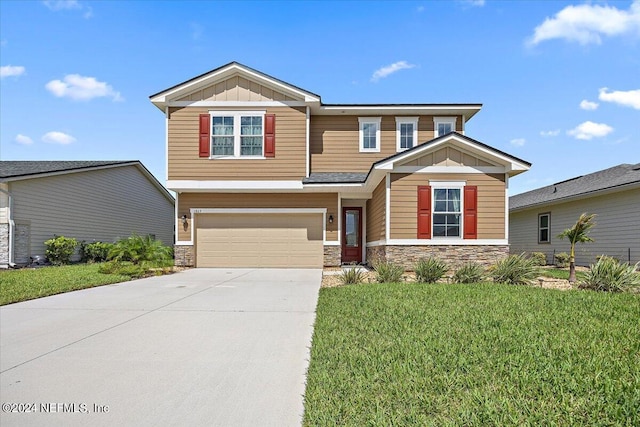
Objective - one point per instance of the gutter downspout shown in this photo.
(12, 226)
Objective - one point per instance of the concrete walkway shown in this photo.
(204, 347)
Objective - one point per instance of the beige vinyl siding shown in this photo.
(616, 230)
(99, 205)
(187, 201)
(335, 144)
(237, 88)
(288, 164)
(376, 213)
(404, 202)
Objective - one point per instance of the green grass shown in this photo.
(26, 284)
(559, 273)
(475, 355)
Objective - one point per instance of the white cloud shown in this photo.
(23, 139)
(589, 130)
(630, 98)
(475, 3)
(518, 142)
(83, 88)
(54, 137)
(588, 105)
(62, 4)
(420, 9)
(11, 70)
(390, 69)
(548, 133)
(586, 23)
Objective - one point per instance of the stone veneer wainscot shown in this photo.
(453, 255)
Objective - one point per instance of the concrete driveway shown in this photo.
(204, 347)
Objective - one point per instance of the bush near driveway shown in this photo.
(482, 354)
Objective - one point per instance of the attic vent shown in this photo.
(567, 180)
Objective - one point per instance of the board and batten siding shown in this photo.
(187, 201)
(617, 229)
(99, 205)
(376, 213)
(335, 143)
(289, 162)
(237, 88)
(404, 202)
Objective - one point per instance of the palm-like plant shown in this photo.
(579, 233)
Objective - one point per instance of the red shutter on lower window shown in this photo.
(205, 135)
(269, 135)
(424, 212)
(471, 212)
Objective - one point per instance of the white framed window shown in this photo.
(369, 134)
(236, 134)
(406, 133)
(544, 227)
(447, 207)
(443, 125)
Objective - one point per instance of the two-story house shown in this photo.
(267, 175)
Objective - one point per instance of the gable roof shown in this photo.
(580, 186)
(18, 170)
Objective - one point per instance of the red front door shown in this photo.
(351, 235)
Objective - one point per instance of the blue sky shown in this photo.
(559, 80)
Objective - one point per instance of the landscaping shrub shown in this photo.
(469, 273)
(539, 257)
(388, 272)
(136, 249)
(514, 270)
(122, 268)
(562, 259)
(96, 252)
(609, 275)
(60, 249)
(351, 276)
(430, 270)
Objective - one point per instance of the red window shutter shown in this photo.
(269, 135)
(205, 135)
(424, 212)
(471, 212)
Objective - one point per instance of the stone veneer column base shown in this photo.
(453, 255)
(4, 245)
(332, 256)
(184, 255)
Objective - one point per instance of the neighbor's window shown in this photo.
(237, 134)
(369, 133)
(443, 125)
(447, 212)
(406, 132)
(544, 228)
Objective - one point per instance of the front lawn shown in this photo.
(483, 354)
(30, 283)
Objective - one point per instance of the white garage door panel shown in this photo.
(259, 240)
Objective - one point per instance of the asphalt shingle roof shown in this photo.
(12, 169)
(605, 179)
(335, 178)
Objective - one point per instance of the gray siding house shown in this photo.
(87, 200)
(537, 217)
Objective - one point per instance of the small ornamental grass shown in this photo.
(388, 272)
(514, 270)
(430, 270)
(469, 273)
(351, 276)
(609, 275)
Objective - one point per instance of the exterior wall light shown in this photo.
(330, 219)
(184, 222)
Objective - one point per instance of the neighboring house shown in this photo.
(267, 175)
(87, 200)
(538, 216)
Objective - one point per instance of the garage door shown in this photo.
(259, 240)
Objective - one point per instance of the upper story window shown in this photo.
(406, 132)
(369, 134)
(443, 125)
(237, 134)
(544, 226)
